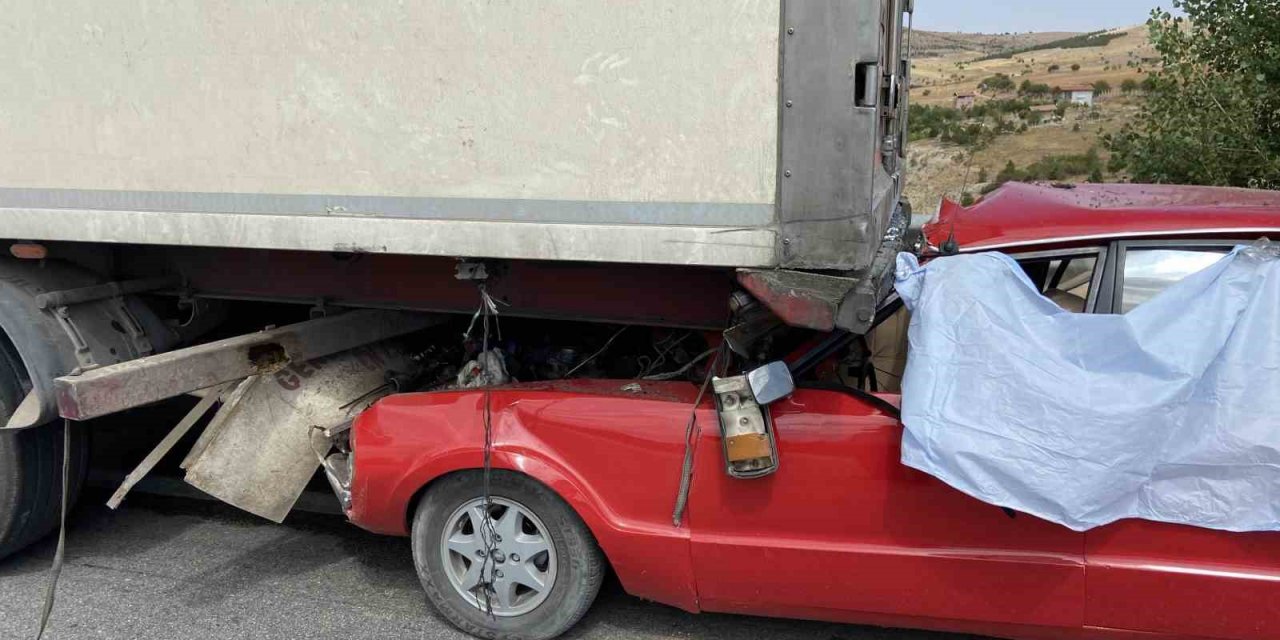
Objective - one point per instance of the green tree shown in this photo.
(1102, 87)
(1075, 67)
(1148, 84)
(1212, 112)
(1128, 86)
(998, 83)
(1009, 173)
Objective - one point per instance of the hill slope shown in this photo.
(1126, 55)
(954, 64)
(932, 44)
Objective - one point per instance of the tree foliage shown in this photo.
(1212, 112)
(1128, 86)
(1055, 167)
(1093, 39)
(997, 83)
(1033, 90)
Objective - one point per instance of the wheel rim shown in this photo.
(512, 575)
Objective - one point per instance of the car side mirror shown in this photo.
(771, 383)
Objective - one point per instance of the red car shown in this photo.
(586, 475)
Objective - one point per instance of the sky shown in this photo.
(1000, 16)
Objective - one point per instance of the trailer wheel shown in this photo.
(534, 582)
(31, 466)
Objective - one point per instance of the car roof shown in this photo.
(1019, 215)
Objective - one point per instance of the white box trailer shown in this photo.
(718, 133)
(637, 162)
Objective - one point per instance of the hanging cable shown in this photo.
(690, 434)
(485, 527)
(597, 353)
(58, 556)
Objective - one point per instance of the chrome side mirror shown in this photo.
(771, 383)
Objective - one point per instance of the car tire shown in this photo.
(578, 567)
(31, 466)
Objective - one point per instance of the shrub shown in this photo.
(998, 83)
(1058, 167)
(1009, 173)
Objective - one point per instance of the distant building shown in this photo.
(965, 101)
(1081, 94)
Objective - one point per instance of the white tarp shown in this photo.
(1170, 412)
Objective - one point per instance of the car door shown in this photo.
(1151, 576)
(844, 531)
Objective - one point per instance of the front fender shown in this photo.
(622, 489)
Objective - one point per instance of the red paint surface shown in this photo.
(841, 532)
(845, 527)
(1024, 213)
(614, 456)
(1171, 578)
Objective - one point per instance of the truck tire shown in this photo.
(560, 554)
(31, 466)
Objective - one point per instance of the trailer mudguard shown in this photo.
(54, 342)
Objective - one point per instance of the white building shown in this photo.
(1082, 94)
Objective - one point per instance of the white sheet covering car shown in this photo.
(1170, 412)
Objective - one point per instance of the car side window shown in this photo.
(1147, 272)
(1065, 280)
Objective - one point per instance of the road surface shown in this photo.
(164, 568)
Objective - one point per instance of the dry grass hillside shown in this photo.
(936, 44)
(948, 64)
(937, 78)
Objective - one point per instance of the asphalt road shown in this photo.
(179, 568)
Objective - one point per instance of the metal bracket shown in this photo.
(84, 355)
(858, 309)
(746, 430)
(471, 270)
(132, 328)
(319, 310)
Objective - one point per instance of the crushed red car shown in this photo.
(586, 474)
